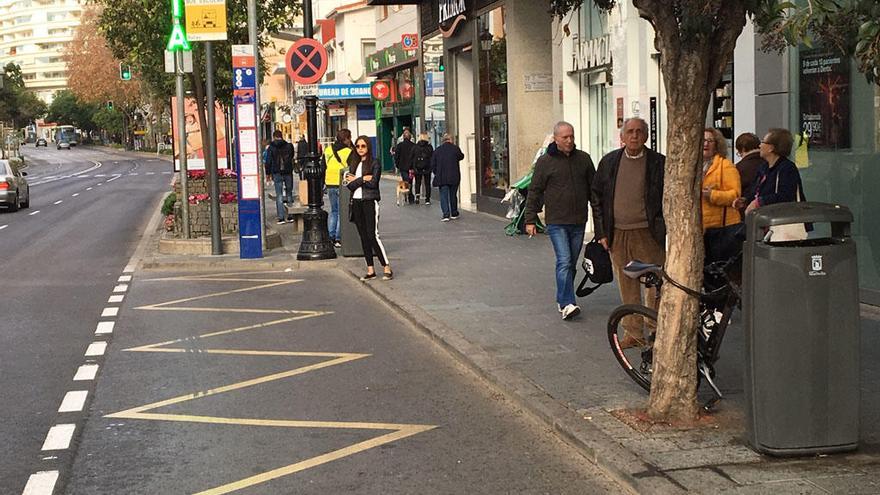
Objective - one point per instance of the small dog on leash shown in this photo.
(402, 191)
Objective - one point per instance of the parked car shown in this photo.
(63, 145)
(42, 142)
(14, 190)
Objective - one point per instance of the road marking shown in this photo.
(128, 268)
(3, 226)
(110, 311)
(151, 173)
(74, 401)
(105, 327)
(99, 184)
(124, 278)
(86, 372)
(120, 288)
(74, 195)
(33, 213)
(59, 437)
(58, 202)
(116, 298)
(41, 483)
(167, 173)
(76, 175)
(96, 349)
(133, 173)
(88, 189)
(100, 175)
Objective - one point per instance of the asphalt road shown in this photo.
(298, 382)
(58, 260)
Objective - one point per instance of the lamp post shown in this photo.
(315, 243)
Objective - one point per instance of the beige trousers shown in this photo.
(631, 245)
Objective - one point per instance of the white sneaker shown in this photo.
(444, 219)
(558, 307)
(570, 311)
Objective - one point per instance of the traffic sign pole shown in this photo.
(316, 239)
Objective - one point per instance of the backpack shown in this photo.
(597, 265)
(422, 161)
(284, 159)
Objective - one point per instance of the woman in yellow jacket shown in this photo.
(721, 187)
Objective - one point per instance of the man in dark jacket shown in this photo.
(561, 185)
(628, 215)
(447, 176)
(747, 148)
(279, 169)
(302, 151)
(421, 163)
(403, 160)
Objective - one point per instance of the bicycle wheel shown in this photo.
(637, 361)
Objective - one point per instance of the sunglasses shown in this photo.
(361, 146)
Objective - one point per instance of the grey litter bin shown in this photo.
(801, 312)
(351, 241)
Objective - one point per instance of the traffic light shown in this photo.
(124, 71)
(442, 64)
(109, 104)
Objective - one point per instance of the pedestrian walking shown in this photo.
(403, 160)
(447, 176)
(720, 188)
(302, 152)
(279, 169)
(627, 203)
(335, 160)
(421, 164)
(362, 180)
(750, 162)
(561, 185)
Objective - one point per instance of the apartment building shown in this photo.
(33, 34)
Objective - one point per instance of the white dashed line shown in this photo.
(120, 288)
(99, 184)
(133, 173)
(59, 437)
(58, 202)
(151, 173)
(105, 327)
(88, 189)
(74, 401)
(96, 349)
(128, 268)
(86, 372)
(100, 175)
(3, 226)
(41, 483)
(114, 178)
(124, 278)
(33, 213)
(116, 298)
(109, 312)
(74, 195)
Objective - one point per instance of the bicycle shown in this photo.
(719, 297)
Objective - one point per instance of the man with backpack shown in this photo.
(421, 165)
(279, 169)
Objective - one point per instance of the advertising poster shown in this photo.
(825, 98)
(195, 154)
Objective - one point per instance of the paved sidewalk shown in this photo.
(489, 300)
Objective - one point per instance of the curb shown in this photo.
(615, 460)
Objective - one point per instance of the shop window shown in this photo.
(435, 88)
(494, 147)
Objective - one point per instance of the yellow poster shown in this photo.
(205, 20)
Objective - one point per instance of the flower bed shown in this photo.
(200, 204)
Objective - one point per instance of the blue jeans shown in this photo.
(334, 227)
(282, 180)
(567, 241)
(449, 201)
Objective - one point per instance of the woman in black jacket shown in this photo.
(362, 179)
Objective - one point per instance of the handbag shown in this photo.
(597, 268)
(789, 231)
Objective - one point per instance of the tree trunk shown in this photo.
(691, 66)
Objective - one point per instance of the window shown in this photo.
(383, 13)
(494, 148)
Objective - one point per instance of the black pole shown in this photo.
(316, 239)
(211, 157)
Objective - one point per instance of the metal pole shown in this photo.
(254, 41)
(316, 239)
(181, 146)
(216, 241)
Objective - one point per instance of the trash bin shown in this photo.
(801, 312)
(348, 235)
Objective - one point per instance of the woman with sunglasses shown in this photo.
(362, 180)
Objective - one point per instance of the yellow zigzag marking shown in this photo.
(399, 431)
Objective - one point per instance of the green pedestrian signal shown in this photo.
(442, 65)
(124, 72)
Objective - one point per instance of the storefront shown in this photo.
(498, 108)
(399, 67)
(347, 106)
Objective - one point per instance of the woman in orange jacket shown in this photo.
(721, 187)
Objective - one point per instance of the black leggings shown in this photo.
(418, 189)
(365, 215)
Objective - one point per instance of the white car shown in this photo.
(14, 190)
(63, 145)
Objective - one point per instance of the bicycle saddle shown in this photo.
(635, 269)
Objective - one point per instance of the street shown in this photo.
(119, 381)
(59, 258)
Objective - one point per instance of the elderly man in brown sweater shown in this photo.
(628, 220)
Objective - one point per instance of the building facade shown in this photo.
(33, 34)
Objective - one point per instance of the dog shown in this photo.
(402, 191)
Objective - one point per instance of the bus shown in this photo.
(66, 133)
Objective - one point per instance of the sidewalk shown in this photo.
(489, 300)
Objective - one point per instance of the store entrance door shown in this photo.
(465, 125)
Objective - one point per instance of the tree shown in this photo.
(110, 120)
(66, 108)
(140, 39)
(695, 39)
(20, 106)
